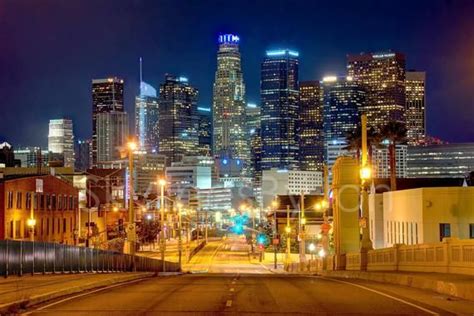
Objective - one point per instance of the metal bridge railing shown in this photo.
(26, 257)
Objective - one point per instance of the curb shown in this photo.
(460, 289)
(12, 307)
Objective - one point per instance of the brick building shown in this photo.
(55, 208)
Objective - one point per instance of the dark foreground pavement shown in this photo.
(254, 294)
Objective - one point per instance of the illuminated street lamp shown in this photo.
(180, 241)
(312, 248)
(31, 222)
(162, 183)
(132, 146)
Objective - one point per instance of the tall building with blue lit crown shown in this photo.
(279, 92)
(230, 139)
(146, 117)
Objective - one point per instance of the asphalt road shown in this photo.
(224, 280)
(244, 294)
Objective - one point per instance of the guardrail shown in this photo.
(26, 257)
(449, 256)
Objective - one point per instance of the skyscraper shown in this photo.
(112, 134)
(229, 135)
(146, 118)
(254, 132)
(310, 126)
(107, 96)
(342, 101)
(178, 119)
(205, 131)
(279, 92)
(82, 152)
(61, 140)
(383, 76)
(415, 106)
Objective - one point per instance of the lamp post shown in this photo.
(162, 183)
(302, 230)
(311, 249)
(365, 175)
(180, 242)
(288, 232)
(275, 231)
(132, 235)
(31, 222)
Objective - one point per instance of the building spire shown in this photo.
(141, 70)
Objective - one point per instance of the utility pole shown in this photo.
(206, 226)
(288, 234)
(162, 184)
(302, 231)
(131, 211)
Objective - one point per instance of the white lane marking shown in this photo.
(384, 294)
(228, 303)
(231, 289)
(233, 282)
(80, 295)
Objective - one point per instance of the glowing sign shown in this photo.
(204, 109)
(228, 38)
(330, 79)
(384, 55)
(282, 52)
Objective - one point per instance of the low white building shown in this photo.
(423, 215)
(289, 182)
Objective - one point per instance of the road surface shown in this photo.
(212, 294)
(224, 280)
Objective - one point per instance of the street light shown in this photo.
(132, 146)
(31, 222)
(162, 183)
(180, 242)
(312, 248)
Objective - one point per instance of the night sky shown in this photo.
(50, 51)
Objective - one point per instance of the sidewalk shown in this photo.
(456, 285)
(20, 292)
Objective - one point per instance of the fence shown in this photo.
(26, 257)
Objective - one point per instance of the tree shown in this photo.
(354, 141)
(395, 133)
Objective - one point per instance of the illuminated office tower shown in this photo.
(82, 154)
(229, 129)
(146, 116)
(279, 93)
(107, 96)
(342, 100)
(178, 119)
(61, 140)
(415, 106)
(310, 126)
(254, 132)
(112, 135)
(205, 131)
(383, 76)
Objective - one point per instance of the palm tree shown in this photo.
(354, 141)
(395, 133)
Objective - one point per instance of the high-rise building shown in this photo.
(82, 153)
(383, 76)
(279, 92)
(32, 156)
(342, 100)
(254, 132)
(440, 161)
(146, 118)
(178, 119)
(415, 112)
(61, 140)
(310, 126)
(205, 131)
(112, 135)
(381, 161)
(107, 96)
(230, 139)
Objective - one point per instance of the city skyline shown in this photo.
(66, 92)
